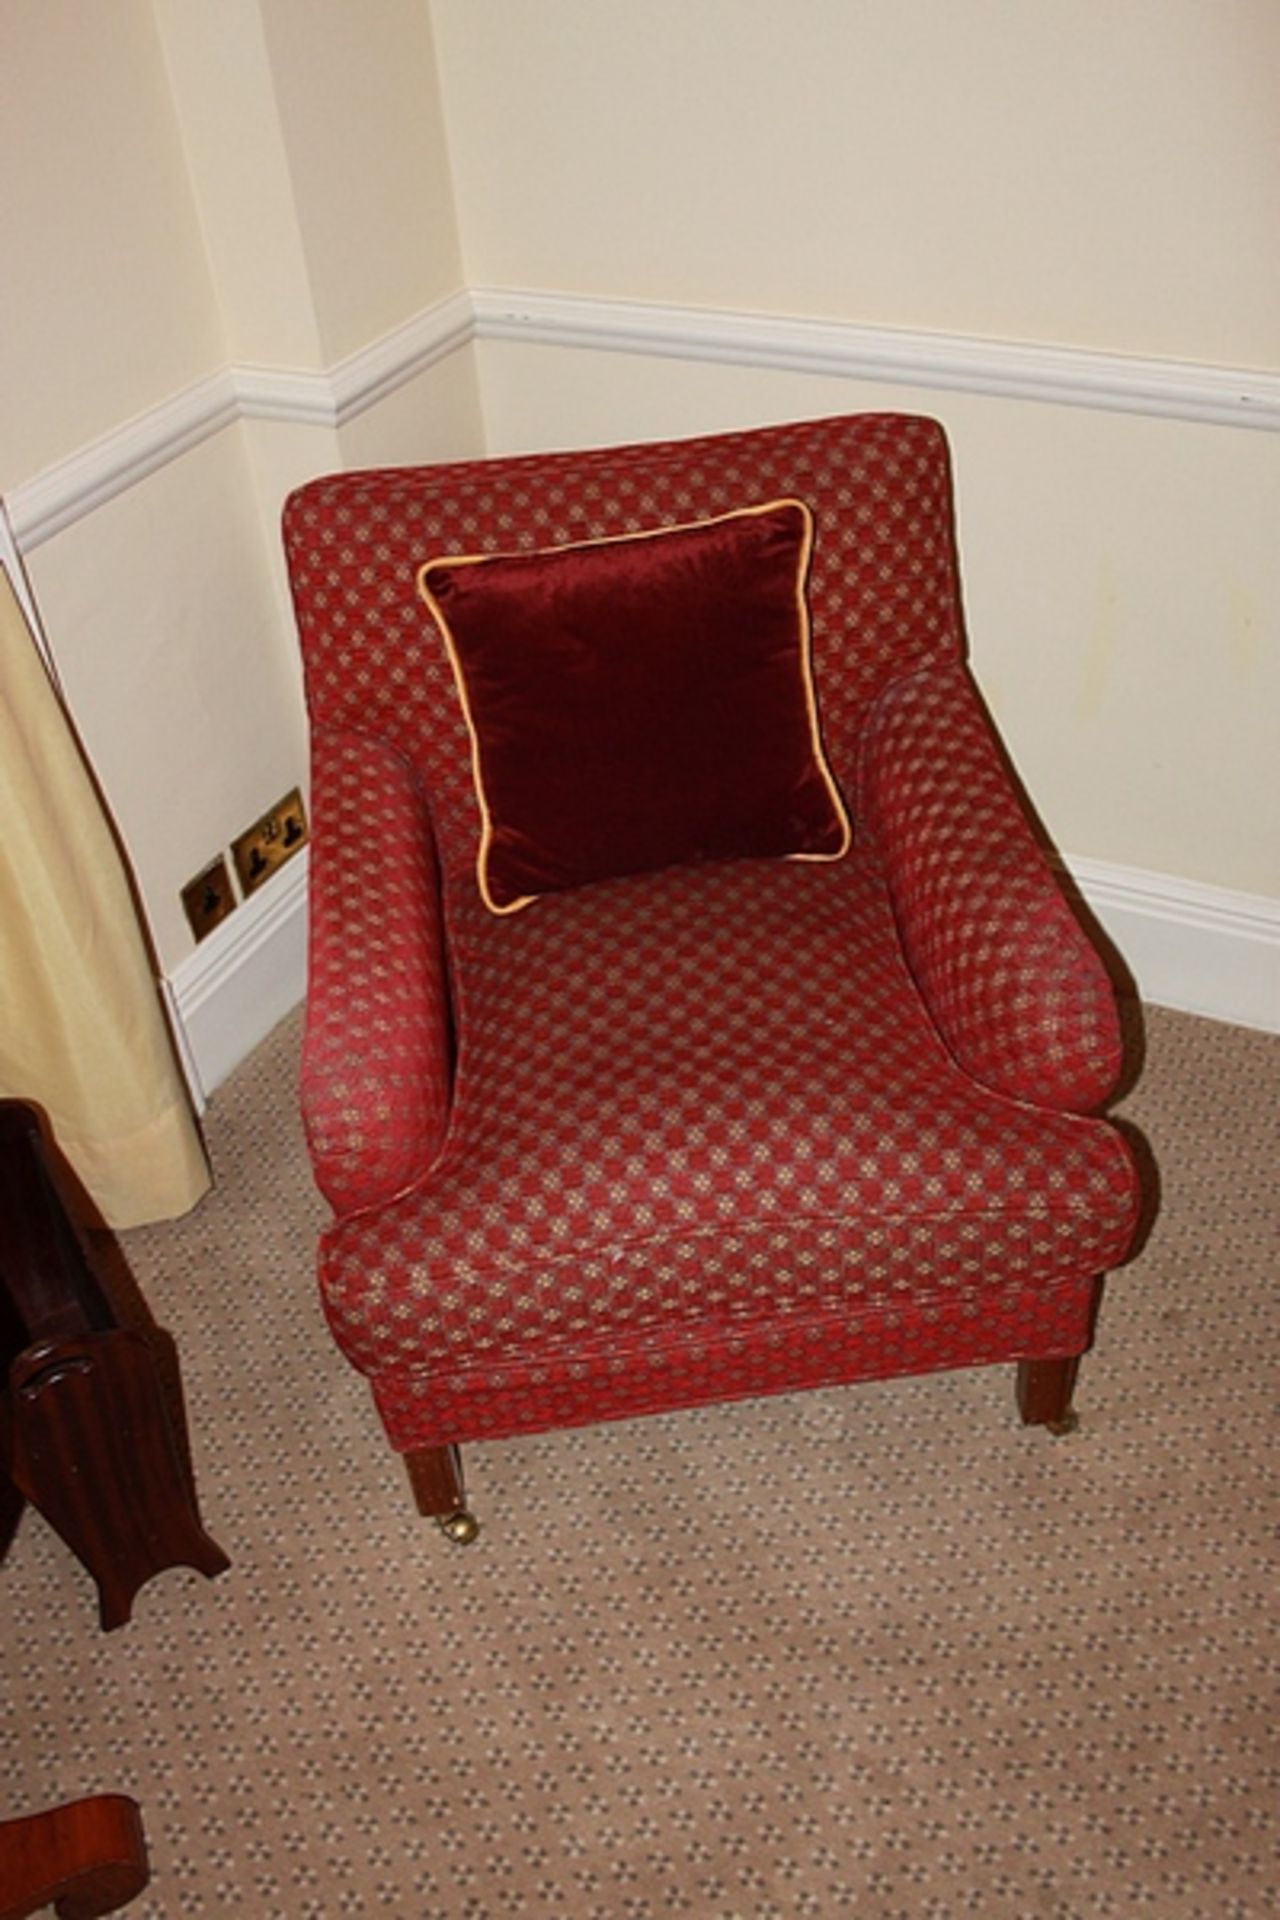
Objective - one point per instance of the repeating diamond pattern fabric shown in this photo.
(1025, 1004)
(712, 1131)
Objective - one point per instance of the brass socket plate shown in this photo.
(265, 846)
(209, 898)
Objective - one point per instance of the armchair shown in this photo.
(715, 1128)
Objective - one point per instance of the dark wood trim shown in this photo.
(1045, 1389)
(90, 1856)
(91, 1427)
(435, 1474)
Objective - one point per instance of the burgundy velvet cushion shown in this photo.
(639, 702)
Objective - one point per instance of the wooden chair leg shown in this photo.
(435, 1474)
(89, 1856)
(1045, 1388)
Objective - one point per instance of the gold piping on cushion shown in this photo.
(616, 539)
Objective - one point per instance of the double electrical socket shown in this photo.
(269, 842)
(258, 852)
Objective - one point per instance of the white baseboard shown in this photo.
(1195, 948)
(241, 980)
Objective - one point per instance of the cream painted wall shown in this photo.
(360, 110)
(224, 96)
(190, 188)
(1092, 174)
(1097, 172)
(108, 305)
(169, 649)
(1124, 626)
(272, 183)
(315, 143)
(435, 417)
(314, 137)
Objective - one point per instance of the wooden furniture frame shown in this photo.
(88, 1857)
(86, 1435)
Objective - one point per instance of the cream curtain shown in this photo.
(81, 1030)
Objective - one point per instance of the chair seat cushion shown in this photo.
(696, 1109)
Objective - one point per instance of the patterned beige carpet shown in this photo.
(874, 1651)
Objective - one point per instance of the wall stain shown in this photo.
(1244, 647)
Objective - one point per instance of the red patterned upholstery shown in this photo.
(717, 1130)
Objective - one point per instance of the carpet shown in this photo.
(877, 1650)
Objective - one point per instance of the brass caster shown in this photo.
(460, 1527)
(1068, 1424)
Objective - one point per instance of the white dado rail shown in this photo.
(896, 356)
(1065, 376)
(1205, 949)
(41, 507)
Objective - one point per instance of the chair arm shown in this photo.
(376, 1060)
(1014, 987)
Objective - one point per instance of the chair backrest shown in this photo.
(883, 587)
